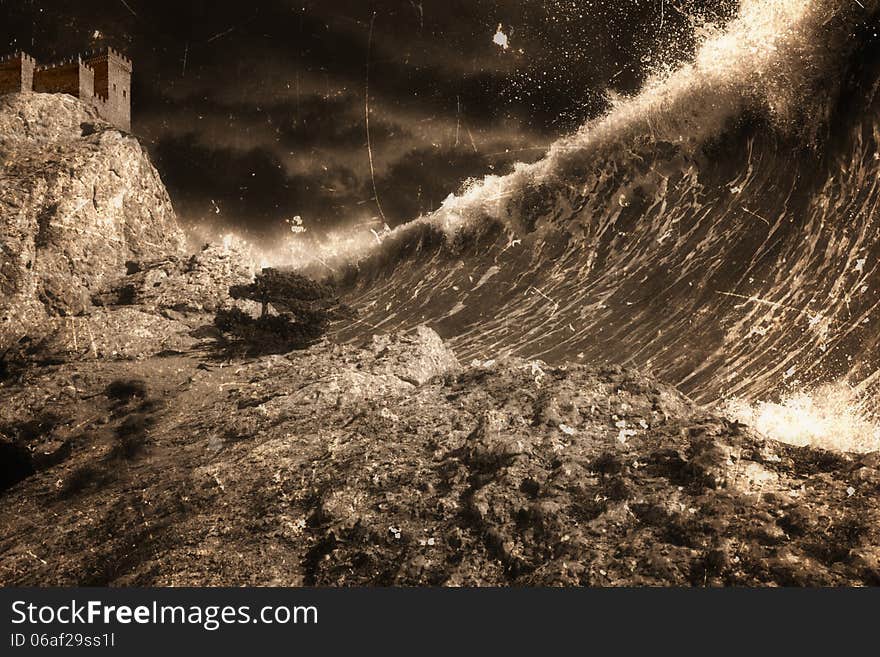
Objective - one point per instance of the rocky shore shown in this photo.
(391, 464)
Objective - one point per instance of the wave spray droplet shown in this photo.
(501, 39)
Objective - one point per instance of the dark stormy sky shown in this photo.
(253, 110)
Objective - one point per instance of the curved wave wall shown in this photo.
(721, 228)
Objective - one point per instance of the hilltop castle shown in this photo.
(101, 79)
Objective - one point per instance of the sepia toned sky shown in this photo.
(254, 111)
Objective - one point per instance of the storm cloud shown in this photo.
(255, 112)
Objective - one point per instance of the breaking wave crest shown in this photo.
(833, 416)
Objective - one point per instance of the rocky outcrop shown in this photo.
(391, 464)
(197, 283)
(162, 306)
(78, 199)
(117, 333)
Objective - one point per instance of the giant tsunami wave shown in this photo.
(719, 229)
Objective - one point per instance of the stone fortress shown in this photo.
(101, 79)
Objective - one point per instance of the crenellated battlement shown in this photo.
(18, 56)
(101, 78)
(64, 63)
(125, 60)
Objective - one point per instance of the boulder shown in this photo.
(415, 357)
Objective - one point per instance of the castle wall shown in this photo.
(59, 79)
(103, 80)
(29, 66)
(11, 77)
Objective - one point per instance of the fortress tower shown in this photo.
(101, 79)
(17, 73)
(112, 84)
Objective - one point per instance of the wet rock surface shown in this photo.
(393, 464)
(119, 333)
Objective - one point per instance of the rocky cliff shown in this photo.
(78, 199)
